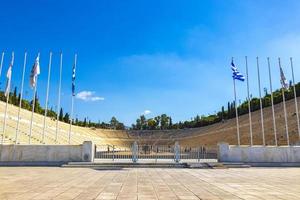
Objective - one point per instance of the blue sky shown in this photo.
(162, 56)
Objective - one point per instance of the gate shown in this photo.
(155, 153)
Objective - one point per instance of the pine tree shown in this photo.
(223, 113)
(19, 98)
(84, 122)
(61, 115)
(14, 97)
(228, 110)
(170, 123)
(67, 118)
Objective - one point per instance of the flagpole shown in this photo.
(295, 95)
(249, 103)
(260, 102)
(272, 103)
(4, 123)
(58, 100)
(7, 99)
(47, 96)
(284, 109)
(71, 118)
(72, 104)
(33, 105)
(21, 96)
(2, 57)
(236, 115)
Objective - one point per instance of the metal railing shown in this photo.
(156, 153)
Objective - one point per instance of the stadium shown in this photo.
(149, 100)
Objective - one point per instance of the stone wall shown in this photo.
(47, 153)
(258, 154)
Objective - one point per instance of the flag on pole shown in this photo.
(73, 80)
(8, 76)
(283, 80)
(235, 73)
(35, 71)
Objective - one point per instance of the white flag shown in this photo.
(35, 71)
(8, 76)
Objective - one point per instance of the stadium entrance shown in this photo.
(155, 153)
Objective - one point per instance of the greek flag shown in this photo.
(73, 80)
(283, 80)
(235, 73)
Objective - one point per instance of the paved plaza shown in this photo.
(82, 183)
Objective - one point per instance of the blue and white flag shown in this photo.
(73, 80)
(235, 73)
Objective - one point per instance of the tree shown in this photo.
(67, 118)
(120, 126)
(143, 122)
(152, 124)
(197, 121)
(138, 125)
(228, 110)
(114, 123)
(14, 97)
(84, 122)
(61, 115)
(19, 98)
(170, 123)
(223, 113)
(51, 113)
(157, 119)
(37, 105)
(164, 121)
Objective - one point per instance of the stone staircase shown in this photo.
(121, 165)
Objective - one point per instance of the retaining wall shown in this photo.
(47, 153)
(256, 154)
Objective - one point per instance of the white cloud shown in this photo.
(146, 112)
(88, 96)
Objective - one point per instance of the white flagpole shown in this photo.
(47, 95)
(6, 106)
(272, 102)
(71, 118)
(249, 103)
(236, 115)
(33, 105)
(5, 115)
(1, 64)
(2, 57)
(58, 100)
(295, 95)
(21, 96)
(32, 112)
(260, 102)
(72, 104)
(284, 110)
